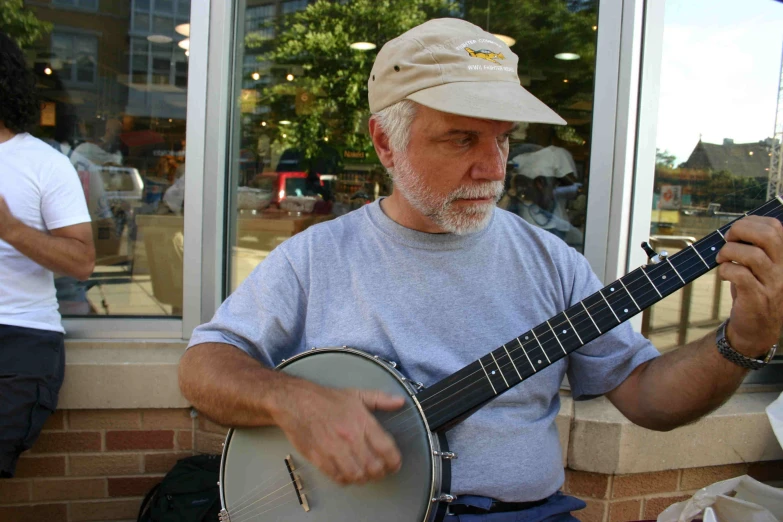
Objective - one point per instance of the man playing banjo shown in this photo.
(420, 278)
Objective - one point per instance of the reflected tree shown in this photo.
(325, 95)
(542, 29)
(664, 158)
(20, 23)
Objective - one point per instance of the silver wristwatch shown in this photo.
(737, 358)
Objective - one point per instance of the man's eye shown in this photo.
(463, 142)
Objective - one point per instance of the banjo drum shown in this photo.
(263, 478)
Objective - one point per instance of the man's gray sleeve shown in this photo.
(264, 316)
(602, 364)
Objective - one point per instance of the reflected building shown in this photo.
(746, 160)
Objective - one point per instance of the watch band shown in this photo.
(737, 358)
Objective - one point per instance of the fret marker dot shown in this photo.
(526, 338)
(663, 277)
(625, 310)
(611, 289)
(564, 331)
(493, 372)
(539, 361)
(713, 249)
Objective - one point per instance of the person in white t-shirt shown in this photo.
(44, 228)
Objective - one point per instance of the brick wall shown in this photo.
(643, 496)
(610, 498)
(97, 465)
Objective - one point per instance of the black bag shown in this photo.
(188, 493)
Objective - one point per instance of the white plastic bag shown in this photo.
(775, 414)
(741, 499)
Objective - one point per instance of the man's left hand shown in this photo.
(7, 220)
(752, 260)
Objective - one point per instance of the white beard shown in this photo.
(441, 209)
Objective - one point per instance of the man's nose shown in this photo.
(491, 162)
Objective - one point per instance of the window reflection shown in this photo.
(711, 165)
(303, 153)
(112, 77)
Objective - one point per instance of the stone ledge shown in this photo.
(109, 374)
(603, 441)
(122, 374)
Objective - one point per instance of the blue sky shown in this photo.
(719, 73)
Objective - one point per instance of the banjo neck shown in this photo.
(451, 400)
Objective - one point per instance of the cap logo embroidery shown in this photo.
(485, 54)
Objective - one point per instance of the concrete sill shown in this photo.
(107, 374)
(602, 440)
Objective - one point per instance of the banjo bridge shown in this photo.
(297, 483)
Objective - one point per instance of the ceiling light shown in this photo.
(289, 77)
(750, 153)
(567, 56)
(255, 76)
(363, 46)
(284, 122)
(263, 124)
(187, 53)
(47, 71)
(326, 139)
(505, 39)
(183, 29)
(565, 80)
(285, 135)
(185, 44)
(159, 39)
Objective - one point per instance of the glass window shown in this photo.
(162, 25)
(291, 6)
(88, 5)
(78, 55)
(164, 6)
(302, 151)
(115, 104)
(720, 72)
(141, 21)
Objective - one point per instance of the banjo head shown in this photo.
(256, 483)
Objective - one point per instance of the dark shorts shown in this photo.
(32, 365)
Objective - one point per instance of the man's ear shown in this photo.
(381, 143)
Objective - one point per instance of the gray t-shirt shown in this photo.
(435, 303)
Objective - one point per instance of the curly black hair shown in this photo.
(19, 109)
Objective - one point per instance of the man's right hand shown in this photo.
(335, 430)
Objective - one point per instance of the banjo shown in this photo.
(263, 478)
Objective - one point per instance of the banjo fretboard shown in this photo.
(452, 399)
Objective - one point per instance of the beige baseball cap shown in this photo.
(454, 66)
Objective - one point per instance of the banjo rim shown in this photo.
(436, 473)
